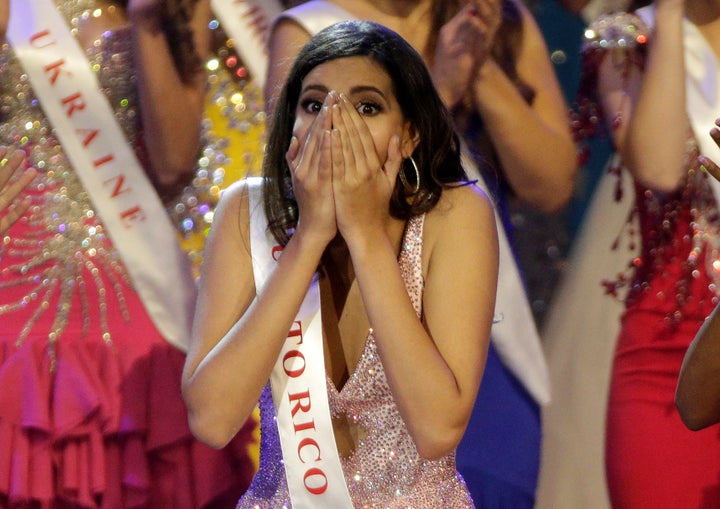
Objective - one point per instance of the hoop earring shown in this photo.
(410, 189)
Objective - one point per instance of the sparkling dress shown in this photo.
(499, 455)
(385, 470)
(91, 413)
(233, 131)
(669, 288)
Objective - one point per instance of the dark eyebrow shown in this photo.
(319, 88)
(367, 88)
(354, 90)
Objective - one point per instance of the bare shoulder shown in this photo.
(460, 231)
(462, 203)
(464, 214)
(232, 212)
(235, 195)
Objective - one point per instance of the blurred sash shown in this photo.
(104, 161)
(247, 23)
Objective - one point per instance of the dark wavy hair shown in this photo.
(437, 154)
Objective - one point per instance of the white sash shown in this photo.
(514, 334)
(702, 85)
(97, 148)
(248, 23)
(299, 385)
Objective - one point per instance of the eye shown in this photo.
(368, 108)
(312, 106)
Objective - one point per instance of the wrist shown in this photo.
(449, 98)
(669, 12)
(360, 241)
(311, 241)
(147, 17)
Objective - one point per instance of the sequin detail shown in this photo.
(384, 470)
(59, 259)
(232, 139)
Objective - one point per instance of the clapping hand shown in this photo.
(463, 46)
(12, 206)
(706, 163)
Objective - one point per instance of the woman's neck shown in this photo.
(412, 19)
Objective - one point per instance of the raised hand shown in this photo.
(309, 159)
(362, 182)
(706, 163)
(463, 45)
(12, 206)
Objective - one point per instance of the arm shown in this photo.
(521, 131)
(234, 327)
(171, 109)
(11, 204)
(697, 396)
(449, 346)
(284, 43)
(646, 104)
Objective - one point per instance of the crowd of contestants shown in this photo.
(395, 152)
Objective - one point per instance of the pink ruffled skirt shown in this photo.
(106, 427)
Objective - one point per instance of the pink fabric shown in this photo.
(86, 422)
(107, 428)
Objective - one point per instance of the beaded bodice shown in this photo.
(58, 267)
(384, 470)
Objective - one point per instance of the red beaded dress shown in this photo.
(91, 413)
(652, 459)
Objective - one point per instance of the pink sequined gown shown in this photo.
(385, 470)
(91, 413)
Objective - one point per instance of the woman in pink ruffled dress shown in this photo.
(91, 413)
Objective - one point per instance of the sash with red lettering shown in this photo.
(299, 385)
(248, 23)
(94, 143)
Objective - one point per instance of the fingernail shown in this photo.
(703, 163)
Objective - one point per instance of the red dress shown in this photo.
(91, 412)
(652, 459)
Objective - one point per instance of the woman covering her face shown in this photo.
(358, 277)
